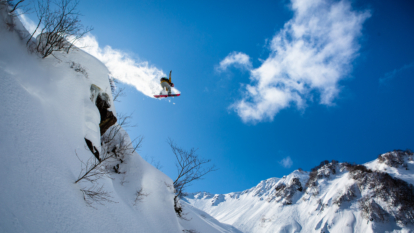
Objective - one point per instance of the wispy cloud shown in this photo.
(144, 77)
(390, 75)
(310, 54)
(237, 59)
(286, 162)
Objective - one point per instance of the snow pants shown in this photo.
(166, 86)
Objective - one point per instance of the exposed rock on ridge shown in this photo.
(336, 197)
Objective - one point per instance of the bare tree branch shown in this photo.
(92, 170)
(15, 6)
(115, 147)
(137, 142)
(190, 167)
(12, 7)
(139, 196)
(118, 93)
(96, 194)
(60, 26)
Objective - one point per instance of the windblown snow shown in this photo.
(48, 110)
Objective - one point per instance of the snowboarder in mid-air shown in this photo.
(166, 85)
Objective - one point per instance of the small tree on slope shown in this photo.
(59, 26)
(190, 167)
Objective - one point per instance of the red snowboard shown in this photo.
(164, 96)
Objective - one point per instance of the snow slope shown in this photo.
(330, 204)
(46, 112)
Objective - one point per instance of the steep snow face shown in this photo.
(334, 197)
(47, 110)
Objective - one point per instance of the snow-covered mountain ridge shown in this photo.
(334, 197)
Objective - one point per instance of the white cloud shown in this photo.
(236, 59)
(144, 77)
(310, 54)
(286, 162)
(390, 75)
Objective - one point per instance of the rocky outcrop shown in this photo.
(217, 199)
(333, 197)
(103, 103)
(350, 193)
(396, 158)
(284, 192)
(108, 118)
(92, 148)
(394, 195)
(324, 170)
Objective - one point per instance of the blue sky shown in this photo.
(267, 86)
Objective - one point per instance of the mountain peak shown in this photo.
(335, 196)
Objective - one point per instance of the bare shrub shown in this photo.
(190, 231)
(124, 122)
(92, 170)
(115, 146)
(119, 150)
(321, 206)
(14, 9)
(13, 6)
(114, 149)
(78, 68)
(323, 170)
(396, 158)
(285, 192)
(115, 142)
(358, 172)
(112, 83)
(380, 158)
(312, 184)
(190, 167)
(117, 92)
(280, 186)
(349, 194)
(396, 192)
(177, 206)
(59, 25)
(217, 199)
(371, 210)
(96, 194)
(139, 196)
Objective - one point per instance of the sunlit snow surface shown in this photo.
(256, 210)
(46, 112)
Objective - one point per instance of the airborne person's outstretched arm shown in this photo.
(170, 76)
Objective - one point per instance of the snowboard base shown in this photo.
(165, 96)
